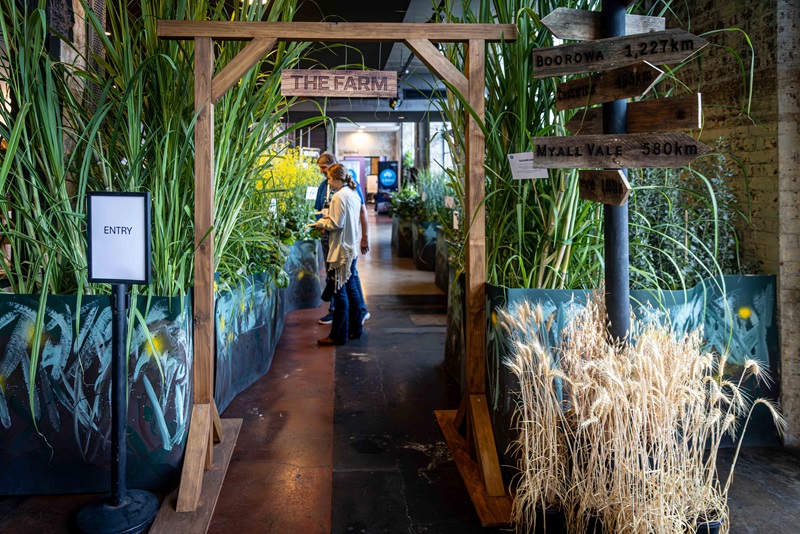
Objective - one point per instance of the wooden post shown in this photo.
(199, 447)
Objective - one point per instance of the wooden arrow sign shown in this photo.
(617, 151)
(615, 84)
(608, 187)
(656, 115)
(659, 48)
(582, 25)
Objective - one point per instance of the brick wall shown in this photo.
(766, 140)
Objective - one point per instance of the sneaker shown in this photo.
(328, 319)
(365, 318)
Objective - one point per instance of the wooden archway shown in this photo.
(473, 414)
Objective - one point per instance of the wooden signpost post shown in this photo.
(625, 82)
(656, 115)
(629, 46)
(577, 25)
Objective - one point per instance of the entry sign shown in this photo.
(522, 167)
(119, 237)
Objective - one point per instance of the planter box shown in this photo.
(249, 321)
(403, 237)
(741, 317)
(61, 444)
(424, 245)
(442, 276)
(455, 341)
(303, 266)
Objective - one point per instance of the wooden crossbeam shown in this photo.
(438, 64)
(238, 67)
(334, 32)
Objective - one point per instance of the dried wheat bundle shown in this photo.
(627, 433)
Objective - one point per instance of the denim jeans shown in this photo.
(362, 305)
(347, 311)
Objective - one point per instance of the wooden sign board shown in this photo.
(339, 83)
(582, 25)
(617, 151)
(608, 187)
(656, 115)
(660, 48)
(615, 84)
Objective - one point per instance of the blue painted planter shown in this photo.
(424, 245)
(55, 422)
(442, 276)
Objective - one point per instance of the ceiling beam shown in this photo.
(328, 32)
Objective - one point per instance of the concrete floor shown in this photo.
(344, 440)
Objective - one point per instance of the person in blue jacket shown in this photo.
(324, 193)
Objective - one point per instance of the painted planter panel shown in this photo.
(405, 238)
(455, 342)
(740, 318)
(249, 321)
(442, 276)
(63, 444)
(424, 245)
(303, 266)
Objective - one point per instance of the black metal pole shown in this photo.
(119, 373)
(617, 254)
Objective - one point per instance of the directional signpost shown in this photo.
(656, 150)
(661, 48)
(625, 82)
(577, 25)
(656, 115)
(608, 187)
(616, 140)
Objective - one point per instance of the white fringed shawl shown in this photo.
(344, 224)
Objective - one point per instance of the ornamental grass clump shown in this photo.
(626, 435)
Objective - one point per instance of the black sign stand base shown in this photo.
(121, 512)
(134, 515)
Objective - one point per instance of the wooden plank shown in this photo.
(615, 84)
(659, 48)
(216, 424)
(339, 83)
(655, 115)
(617, 151)
(203, 220)
(334, 32)
(485, 448)
(238, 67)
(492, 511)
(194, 459)
(170, 521)
(474, 191)
(582, 25)
(438, 64)
(607, 187)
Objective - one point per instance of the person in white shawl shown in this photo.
(344, 226)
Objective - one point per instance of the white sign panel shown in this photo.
(311, 193)
(522, 167)
(119, 237)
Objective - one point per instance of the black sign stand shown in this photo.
(617, 250)
(121, 512)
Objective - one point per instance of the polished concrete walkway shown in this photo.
(344, 440)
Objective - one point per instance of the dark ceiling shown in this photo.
(370, 55)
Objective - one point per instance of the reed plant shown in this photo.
(624, 434)
(432, 189)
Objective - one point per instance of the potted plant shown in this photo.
(403, 204)
(430, 212)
